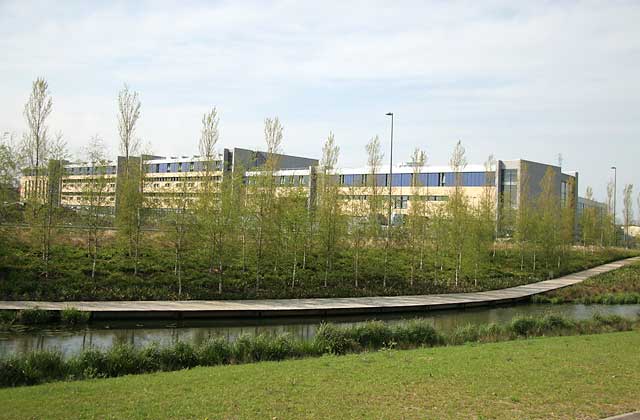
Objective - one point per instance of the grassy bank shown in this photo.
(620, 286)
(564, 377)
(47, 366)
(70, 274)
(25, 318)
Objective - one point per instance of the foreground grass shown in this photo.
(561, 377)
(47, 366)
(620, 286)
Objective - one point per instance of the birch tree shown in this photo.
(95, 195)
(207, 205)
(130, 198)
(263, 195)
(178, 220)
(610, 228)
(457, 209)
(328, 205)
(42, 157)
(526, 221)
(548, 209)
(588, 222)
(627, 211)
(416, 219)
(374, 199)
(8, 177)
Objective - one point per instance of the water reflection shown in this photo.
(104, 335)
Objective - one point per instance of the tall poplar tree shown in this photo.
(129, 199)
(329, 214)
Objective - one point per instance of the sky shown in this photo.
(516, 79)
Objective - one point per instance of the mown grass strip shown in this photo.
(46, 366)
(592, 376)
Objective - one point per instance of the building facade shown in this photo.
(508, 182)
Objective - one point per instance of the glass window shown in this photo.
(381, 180)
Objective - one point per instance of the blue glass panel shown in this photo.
(396, 180)
(348, 180)
(174, 167)
(186, 166)
(381, 180)
(406, 180)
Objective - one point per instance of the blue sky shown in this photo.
(516, 79)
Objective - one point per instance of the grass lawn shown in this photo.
(615, 287)
(562, 377)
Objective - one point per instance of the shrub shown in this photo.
(468, 333)
(12, 372)
(34, 368)
(73, 316)
(417, 332)
(279, 347)
(333, 340)
(180, 356)
(215, 351)
(616, 322)
(524, 325)
(261, 347)
(90, 363)
(8, 317)
(34, 316)
(372, 334)
(551, 322)
(149, 358)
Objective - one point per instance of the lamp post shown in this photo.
(615, 198)
(386, 253)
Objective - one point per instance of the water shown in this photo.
(103, 335)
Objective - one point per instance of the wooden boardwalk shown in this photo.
(314, 307)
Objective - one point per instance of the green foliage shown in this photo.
(35, 316)
(70, 274)
(73, 316)
(215, 351)
(621, 286)
(39, 367)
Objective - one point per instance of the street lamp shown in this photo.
(386, 253)
(615, 198)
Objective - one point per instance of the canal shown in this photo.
(103, 335)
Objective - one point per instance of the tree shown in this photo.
(526, 221)
(8, 177)
(483, 221)
(128, 115)
(294, 225)
(263, 196)
(42, 157)
(416, 217)
(179, 221)
(129, 196)
(328, 205)
(548, 209)
(567, 220)
(207, 206)
(458, 210)
(95, 195)
(588, 221)
(610, 228)
(627, 215)
(35, 141)
(374, 197)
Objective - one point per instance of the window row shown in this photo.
(184, 167)
(91, 170)
(437, 179)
